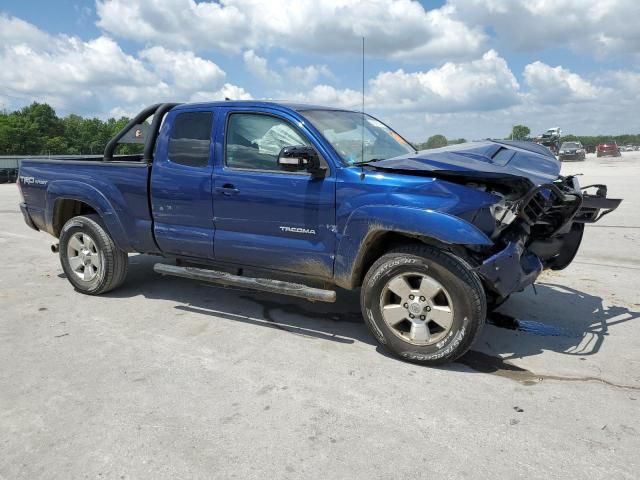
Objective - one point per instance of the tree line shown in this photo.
(37, 130)
(437, 141)
(522, 132)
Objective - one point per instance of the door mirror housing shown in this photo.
(300, 158)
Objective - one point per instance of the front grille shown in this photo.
(536, 205)
(550, 207)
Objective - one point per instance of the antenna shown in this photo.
(363, 75)
(362, 111)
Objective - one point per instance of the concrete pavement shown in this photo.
(167, 378)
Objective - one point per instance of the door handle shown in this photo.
(227, 189)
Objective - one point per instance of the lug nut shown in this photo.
(422, 317)
(428, 309)
(422, 299)
(406, 305)
(411, 297)
(411, 315)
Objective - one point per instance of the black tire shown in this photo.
(113, 261)
(462, 285)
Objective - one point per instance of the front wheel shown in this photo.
(89, 257)
(423, 304)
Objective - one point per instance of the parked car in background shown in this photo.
(8, 175)
(571, 151)
(550, 139)
(609, 149)
(627, 148)
(8, 169)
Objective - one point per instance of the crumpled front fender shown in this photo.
(510, 270)
(366, 223)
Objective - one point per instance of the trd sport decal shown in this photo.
(32, 180)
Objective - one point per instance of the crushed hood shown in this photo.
(486, 160)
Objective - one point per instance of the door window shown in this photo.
(253, 141)
(190, 138)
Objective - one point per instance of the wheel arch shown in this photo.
(65, 209)
(369, 234)
(67, 199)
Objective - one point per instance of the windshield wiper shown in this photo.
(373, 160)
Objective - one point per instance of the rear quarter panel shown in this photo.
(116, 190)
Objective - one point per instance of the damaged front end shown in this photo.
(536, 217)
(543, 229)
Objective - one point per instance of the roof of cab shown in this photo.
(298, 107)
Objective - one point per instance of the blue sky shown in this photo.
(463, 68)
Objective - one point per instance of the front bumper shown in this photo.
(546, 234)
(570, 156)
(511, 269)
(27, 216)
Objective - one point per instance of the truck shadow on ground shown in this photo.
(557, 318)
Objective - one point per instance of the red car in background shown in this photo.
(608, 149)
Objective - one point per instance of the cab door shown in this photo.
(181, 184)
(264, 216)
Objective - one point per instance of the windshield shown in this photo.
(352, 134)
(570, 145)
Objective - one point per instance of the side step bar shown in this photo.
(262, 284)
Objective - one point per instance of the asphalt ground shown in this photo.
(169, 378)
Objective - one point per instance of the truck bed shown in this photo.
(119, 186)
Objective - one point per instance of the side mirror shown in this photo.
(298, 158)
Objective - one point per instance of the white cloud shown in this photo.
(400, 29)
(482, 98)
(309, 75)
(228, 90)
(472, 97)
(600, 27)
(626, 84)
(97, 76)
(483, 84)
(479, 85)
(608, 104)
(292, 76)
(557, 85)
(15, 31)
(259, 67)
(326, 95)
(184, 69)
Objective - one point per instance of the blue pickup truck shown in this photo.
(301, 200)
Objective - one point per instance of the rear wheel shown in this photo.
(423, 305)
(89, 257)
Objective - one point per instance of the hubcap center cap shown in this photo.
(415, 308)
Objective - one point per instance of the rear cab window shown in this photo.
(190, 138)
